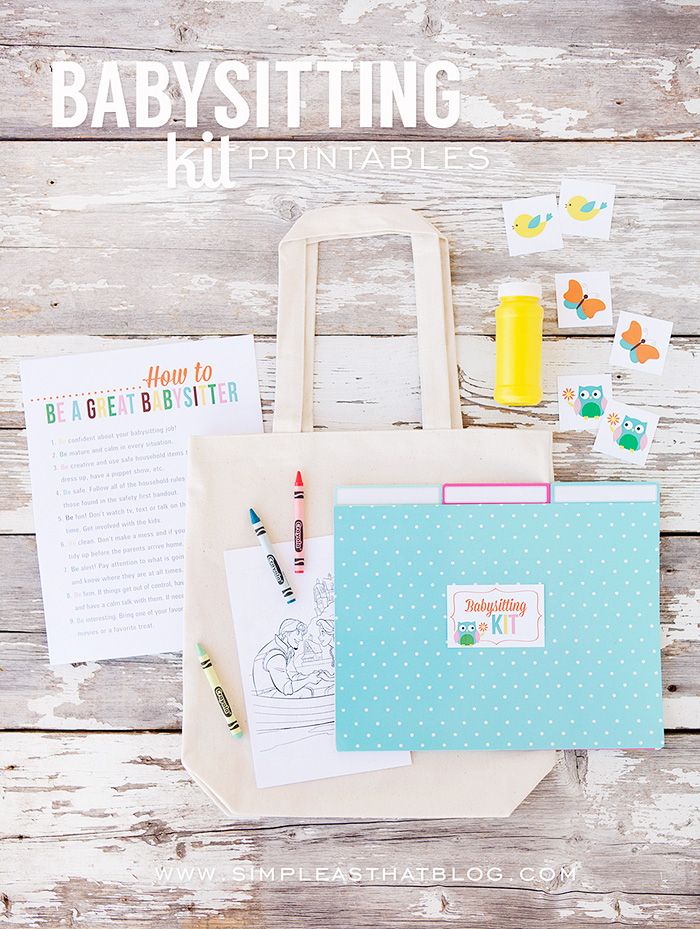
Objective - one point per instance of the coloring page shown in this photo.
(287, 659)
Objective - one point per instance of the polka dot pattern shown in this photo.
(595, 684)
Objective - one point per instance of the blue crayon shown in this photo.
(277, 571)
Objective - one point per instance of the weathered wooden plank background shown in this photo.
(117, 809)
(529, 70)
(113, 251)
(373, 382)
(95, 250)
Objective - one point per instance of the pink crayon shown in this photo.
(298, 524)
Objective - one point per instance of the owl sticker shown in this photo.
(631, 434)
(466, 634)
(627, 434)
(583, 400)
(590, 402)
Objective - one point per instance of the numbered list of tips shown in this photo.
(108, 435)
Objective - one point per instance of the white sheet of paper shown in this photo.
(532, 225)
(108, 462)
(288, 667)
(583, 399)
(626, 433)
(628, 349)
(579, 298)
(586, 207)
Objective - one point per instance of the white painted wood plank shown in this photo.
(537, 70)
(113, 251)
(129, 694)
(122, 803)
(372, 382)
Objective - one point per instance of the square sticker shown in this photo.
(641, 343)
(583, 299)
(532, 225)
(583, 399)
(586, 207)
(626, 433)
(495, 616)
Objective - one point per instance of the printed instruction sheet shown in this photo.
(107, 435)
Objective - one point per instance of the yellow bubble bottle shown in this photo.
(519, 344)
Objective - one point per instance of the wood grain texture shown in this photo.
(113, 251)
(603, 70)
(146, 693)
(122, 803)
(95, 250)
(372, 382)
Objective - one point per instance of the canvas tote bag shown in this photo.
(228, 473)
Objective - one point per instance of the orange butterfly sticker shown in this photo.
(575, 299)
(638, 347)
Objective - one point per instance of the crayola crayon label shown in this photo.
(223, 702)
(276, 570)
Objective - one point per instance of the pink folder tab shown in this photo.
(496, 493)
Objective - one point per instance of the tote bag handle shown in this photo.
(298, 270)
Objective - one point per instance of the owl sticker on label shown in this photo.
(583, 399)
(626, 433)
(466, 634)
(495, 615)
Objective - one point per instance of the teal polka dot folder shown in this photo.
(499, 626)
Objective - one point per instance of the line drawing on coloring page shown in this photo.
(286, 654)
(293, 673)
